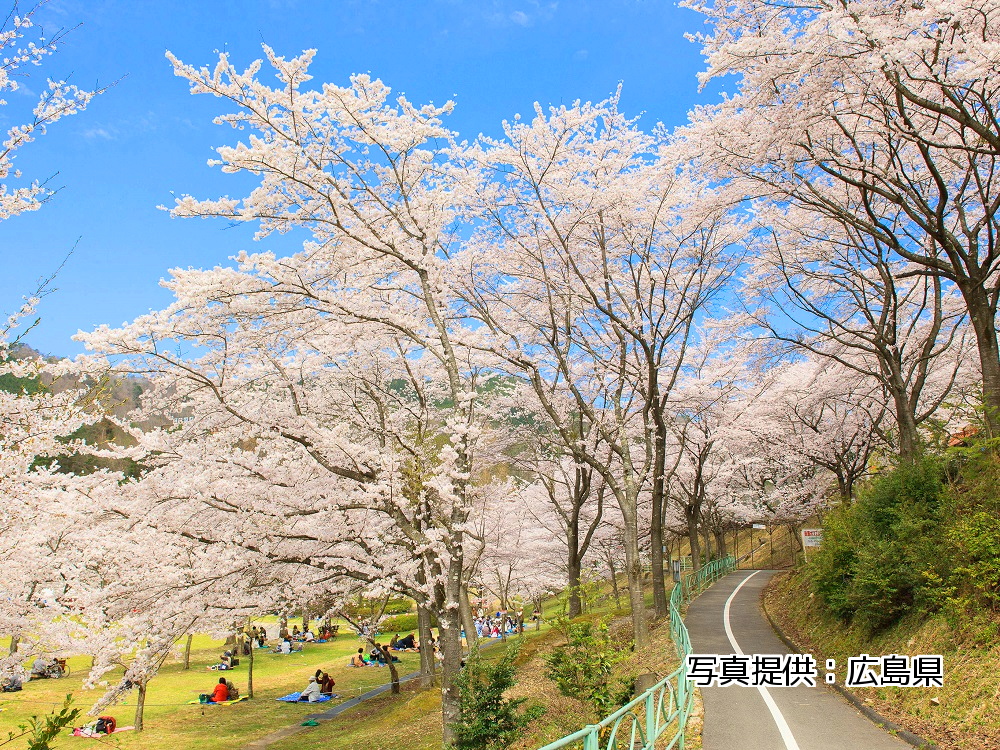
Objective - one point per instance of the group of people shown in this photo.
(494, 626)
(223, 691)
(285, 646)
(406, 643)
(377, 657)
(228, 660)
(320, 684)
(324, 633)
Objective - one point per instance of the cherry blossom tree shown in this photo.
(325, 415)
(35, 420)
(880, 117)
(831, 291)
(591, 263)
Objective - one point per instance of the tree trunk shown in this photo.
(468, 623)
(656, 520)
(305, 620)
(614, 581)
(187, 651)
(720, 542)
(692, 516)
(906, 424)
(450, 643)
(983, 318)
(140, 705)
(575, 606)
(633, 572)
(393, 672)
(427, 664)
(14, 641)
(250, 669)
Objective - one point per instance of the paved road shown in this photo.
(751, 718)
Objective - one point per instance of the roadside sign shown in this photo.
(812, 537)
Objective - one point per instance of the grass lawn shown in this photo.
(172, 724)
(411, 720)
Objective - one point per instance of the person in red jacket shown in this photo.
(221, 692)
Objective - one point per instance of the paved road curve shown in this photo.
(727, 619)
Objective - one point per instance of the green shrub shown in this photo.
(490, 721)
(584, 667)
(881, 555)
(41, 731)
(401, 624)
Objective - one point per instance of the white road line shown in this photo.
(786, 733)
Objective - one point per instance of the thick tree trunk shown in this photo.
(574, 604)
(450, 643)
(140, 705)
(14, 641)
(906, 425)
(633, 571)
(187, 651)
(691, 517)
(427, 664)
(983, 318)
(720, 542)
(656, 520)
(305, 620)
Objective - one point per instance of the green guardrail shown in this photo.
(665, 707)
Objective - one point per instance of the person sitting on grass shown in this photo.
(406, 643)
(312, 691)
(221, 692)
(358, 660)
(11, 683)
(295, 632)
(326, 635)
(308, 636)
(41, 667)
(326, 683)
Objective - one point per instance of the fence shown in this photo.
(665, 707)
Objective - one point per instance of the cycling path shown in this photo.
(727, 619)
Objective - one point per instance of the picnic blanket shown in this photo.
(224, 703)
(88, 732)
(294, 698)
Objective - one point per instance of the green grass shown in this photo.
(171, 724)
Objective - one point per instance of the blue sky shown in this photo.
(147, 137)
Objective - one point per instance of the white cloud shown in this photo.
(101, 133)
(520, 18)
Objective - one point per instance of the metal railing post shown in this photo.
(651, 733)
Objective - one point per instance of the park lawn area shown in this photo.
(409, 721)
(171, 724)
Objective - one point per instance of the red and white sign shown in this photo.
(812, 537)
